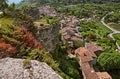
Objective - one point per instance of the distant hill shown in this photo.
(64, 2)
(67, 1)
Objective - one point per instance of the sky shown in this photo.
(15, 1)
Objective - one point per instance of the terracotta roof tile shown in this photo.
(66, 37)
(92, 54)
(93, 47)
(103, 75)
(88, 71)
(86, 59)
(80, 51)
(76, 38)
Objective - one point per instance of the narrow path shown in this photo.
(113, 30)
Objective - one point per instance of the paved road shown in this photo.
(113, 30)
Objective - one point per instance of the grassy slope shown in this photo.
(6, 20)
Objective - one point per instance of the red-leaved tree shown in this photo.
(28, 40)
(6, 49)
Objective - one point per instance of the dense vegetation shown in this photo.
(95, 11)
(113, 17)
(109, 62)
(113, 20)
(68, 65)
(58, 2)
(117, 37)
(100, 36)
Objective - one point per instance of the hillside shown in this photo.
(60, 2)
(60, 39)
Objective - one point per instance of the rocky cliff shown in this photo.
(33, 12)
(47, 35)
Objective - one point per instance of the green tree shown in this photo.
(109, 61)
(12, 7)
(10, 11)
(3, 6)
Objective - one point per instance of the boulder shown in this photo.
(11, 68)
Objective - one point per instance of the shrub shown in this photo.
(6, 49)
(78, 44)
(114, 17)
(43, 56)
(26, 21)
(69, 67)
(29, 40)
(27, 63)
(19, 38)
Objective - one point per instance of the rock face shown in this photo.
(13, 69)
(48, 36)
(33, 12)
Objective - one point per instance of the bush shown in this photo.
(78, 44)
(27, 63)
(6, 49)
(117, 38)
(17, 36)
(114, 17)
(43, 56)
(40, 55)
(69, 67)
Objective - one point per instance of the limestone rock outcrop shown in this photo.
(48, 36)
(11, 68)
(33, 12)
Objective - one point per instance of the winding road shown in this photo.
(113, 30)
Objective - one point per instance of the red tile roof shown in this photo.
(92, 54)
(93, 47)
(103, 75)
(66, 37)
(86, 59)
(76, 38)
(88, 71)
(85, 51)
(87, 55)
(80, 51)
